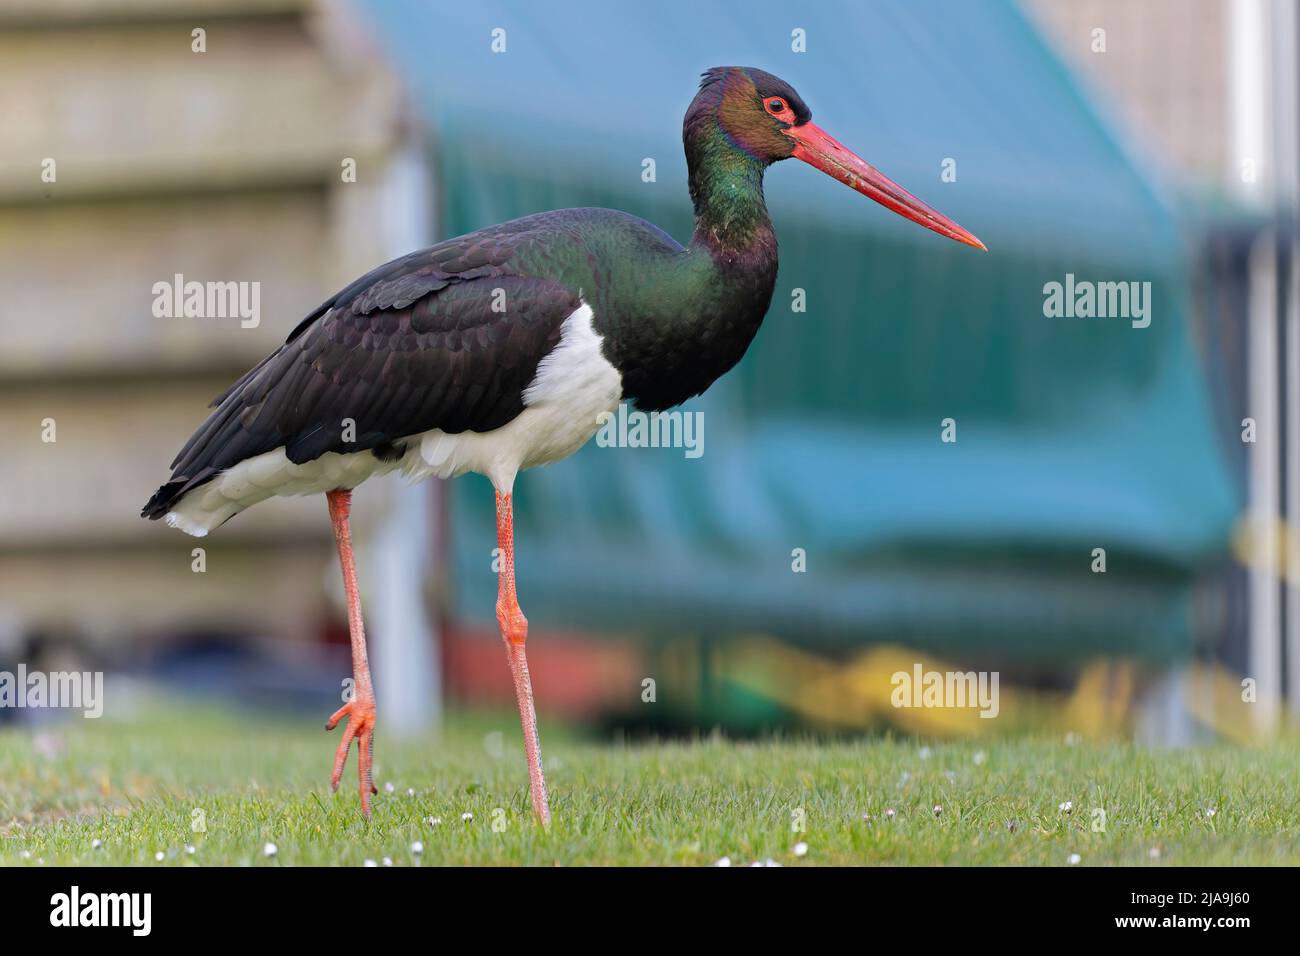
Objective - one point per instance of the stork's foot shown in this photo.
(360, 712)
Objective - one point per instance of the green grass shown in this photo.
(135, 787)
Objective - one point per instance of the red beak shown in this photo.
(818, 148)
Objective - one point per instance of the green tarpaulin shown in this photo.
(1072, 433)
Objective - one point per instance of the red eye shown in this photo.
(779, 108)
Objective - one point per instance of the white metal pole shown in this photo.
(1265, 595)
(408, 679)
(1249, 166)
(1286, 153)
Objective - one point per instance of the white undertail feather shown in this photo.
(574, 384)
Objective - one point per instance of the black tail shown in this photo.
(172, 491)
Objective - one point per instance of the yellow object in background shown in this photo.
(861, 692)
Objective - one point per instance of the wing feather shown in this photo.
(419, 346)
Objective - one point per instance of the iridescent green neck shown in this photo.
(726, 184)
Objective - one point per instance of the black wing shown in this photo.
(414, 345)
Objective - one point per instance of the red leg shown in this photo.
(360, 709)
(514, 630)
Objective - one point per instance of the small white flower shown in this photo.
(1066, 807)
(189, 848)
(1075, 858)
(410, 791)
(467, 816)
(770, 862)
(801, 849)
(924, 753)
(1071, 739)
(370, 863)
(270, 850)
(388, 787)
(905, 776)
(1210, 811)
(866, 816)
(433, 821)
(979, 757)
(26, 854)
(1154, 853)
(160, 856)
(938, 809)
(388, 861)
(890, 813)
(96, 844)
(725, 861)
(417, 847)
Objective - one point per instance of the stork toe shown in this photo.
(360, 727)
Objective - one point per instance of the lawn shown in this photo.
(140, 787)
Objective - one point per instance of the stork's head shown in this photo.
(762, 116)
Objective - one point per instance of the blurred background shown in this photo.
(827, 537)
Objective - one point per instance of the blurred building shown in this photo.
(147, 140)
(1163, 71)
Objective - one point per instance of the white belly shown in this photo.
(574, 385)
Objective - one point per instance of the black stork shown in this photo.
(500, 350)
